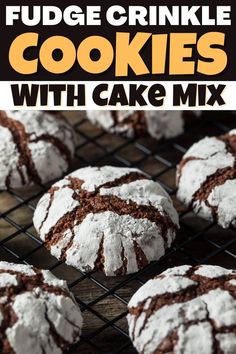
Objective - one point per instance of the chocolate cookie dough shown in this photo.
(35, 147)
(108, 218)
(185, 310)
(37, 312)
(206, 179)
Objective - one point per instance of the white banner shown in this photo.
(145, 95)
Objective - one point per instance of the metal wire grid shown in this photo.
(103, 300)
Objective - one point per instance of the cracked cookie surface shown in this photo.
(206, 179)
(108, 218)
(38, 314)
(185, 310)
(35, 147)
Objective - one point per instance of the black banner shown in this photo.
(71, 36)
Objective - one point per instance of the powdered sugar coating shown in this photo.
(110, 218)
(45, 154)
(164, 124)
(39, 123)
(37, 302)
(212, 272)
(30, 141)
(51, 280)
(158, 124)
(19, 268)
(144, 192)
(224, 198)
(57, 209)
(196, 338)
(42, 207)
(227, 342)
(95, 177)
(233, 282)
(118, 232)
(9, 157)
(180, 270)
(197, 316)
(7, 279)
(207, 179)
(232, 132)
(106, 120)
(160, 286)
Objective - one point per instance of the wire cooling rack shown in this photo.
(103, 300)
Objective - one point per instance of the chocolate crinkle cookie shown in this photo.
(108, 218)
(35, 147)
(206, 179)
(185, 310)
(157, 124)
(37, 312)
